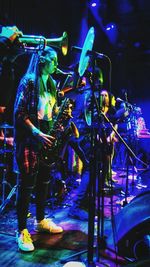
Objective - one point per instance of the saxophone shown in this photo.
(61, 131)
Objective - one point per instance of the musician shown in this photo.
(106, 138)
(34, 110)
(8, 54)
(108, 135)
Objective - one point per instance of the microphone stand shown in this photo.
(96, 166)
(132, 135)
(92, 193)
(130, 152)
(96, 179)
(94, 171)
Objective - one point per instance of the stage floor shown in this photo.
(52, 249)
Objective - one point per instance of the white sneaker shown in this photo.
(24, 241)
(48, 226)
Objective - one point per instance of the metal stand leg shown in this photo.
(17, 186)
(4, 151)
(4, 183)
(13, 191)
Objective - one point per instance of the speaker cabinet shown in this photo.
(133, 228)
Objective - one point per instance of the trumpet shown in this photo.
(34, 42)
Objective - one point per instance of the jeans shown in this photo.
(28, 182)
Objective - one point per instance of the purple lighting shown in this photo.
(137, 44)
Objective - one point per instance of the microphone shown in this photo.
(59, 71)
(76, 49)
(120, 100)
(127, 104)
(89, 53)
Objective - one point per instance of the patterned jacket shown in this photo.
(25, 144)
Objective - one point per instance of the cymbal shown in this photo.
(87, 46)
(6, 126)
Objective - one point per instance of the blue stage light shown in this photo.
(95, 3)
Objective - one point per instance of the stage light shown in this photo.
(137, 44)
(95, 3)
(109, 27)
(111, 31)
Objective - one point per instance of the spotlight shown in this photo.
(94, 3)
(108, 28)
(111, 31)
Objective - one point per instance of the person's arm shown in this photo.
(45, 139)
(112, 137)
(23, 118)
(9, 140)
(5, 46)
(10, 33)
(8, 36)
(121, 112)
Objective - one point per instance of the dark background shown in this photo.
(128, 50)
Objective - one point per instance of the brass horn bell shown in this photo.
(61, 43)
(30, 42)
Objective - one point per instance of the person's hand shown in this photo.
(2, 110)
(10, 141)
(112, 138)
(11, 32)
(45, 139)
(68, 112)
